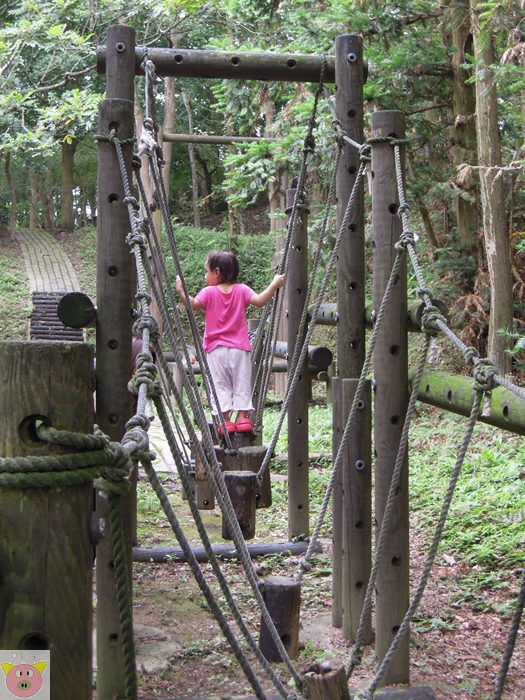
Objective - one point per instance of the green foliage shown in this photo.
(15, 304)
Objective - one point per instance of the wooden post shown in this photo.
(46, 556)
(241, 487)
(326, 681)
(203, 490)
(337, 510)
(115, 291)
(250, 459)
(298, 464)
(357, 521)
(391, 398)
(350, 265)
(282, 596)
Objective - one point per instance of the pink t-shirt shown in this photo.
(225, 321)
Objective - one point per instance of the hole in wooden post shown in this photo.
(236, 60)
(360, 405)
(352, 286)
(394, 420)
(394, 349)
(506, 411)
(112, 198)
(427, 388)
(113, 418)
(34, 641)
(351, 169)
(359, 584)
(112, 270)
(351, 113)
(449, 395)
(291, 63)
(27, 429)
(300, 463)
(113, 638)
(206, 502)
(179, 58)
(393, 135)
(395, 629)
(359, 524)
(353, 344)
(351, 227)
(299, 421)
(113, 344)
(392, 208)
(396, 560)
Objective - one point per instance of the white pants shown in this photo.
(231, 371)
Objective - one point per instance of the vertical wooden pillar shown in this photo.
(391, 397)
(45, 553)
(350, 277)
(357, 521)
(337, 510)
(115, 277)
(298, 464)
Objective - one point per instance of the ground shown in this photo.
(456, 646)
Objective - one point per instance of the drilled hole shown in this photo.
(427, 388)
(396, 561)
(113, 126)
(300, 507)
(359, 584)
(113, 637)
(113, 344)
(449, 395)
(113, 418)
(395, 629)
(112, 198)
(360, 405)
(506, 411)
(353, 344)
(112, 270)
(291, 63)
(34, 641)
(351, 227)
(394, 349)
(392, 208)
(236, 60)
(179, 58)
(352, 169)
(352, 286)
(359, 524)
(351, 113)
(27, 429)
(394, 420)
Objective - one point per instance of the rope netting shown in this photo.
(186, 426)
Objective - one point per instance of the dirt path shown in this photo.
(456, 642)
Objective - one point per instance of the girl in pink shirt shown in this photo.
(226, 340)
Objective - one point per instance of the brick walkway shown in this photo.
(48, 267)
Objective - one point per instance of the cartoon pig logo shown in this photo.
(24, 680)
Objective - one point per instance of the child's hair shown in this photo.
(226, 262)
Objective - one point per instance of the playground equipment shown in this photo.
(355, 574)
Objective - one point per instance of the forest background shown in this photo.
(455, 68)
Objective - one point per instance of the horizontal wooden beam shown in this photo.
(223, 551)
(212, 138)
(454, 393)
(240, 65)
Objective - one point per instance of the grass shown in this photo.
(15, 299)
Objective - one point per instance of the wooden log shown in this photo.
(224, 551)
(76, 310)
(326, 681)
(391, 398)
(240, 65)
(282, 596)
(212, 138)
(203, 491)
(318, 356)
(298, 464)
(115, 293)
(328, 314)
(46, 556)
(241, 486)
(454, 393)
(249, 459)
(357, 512)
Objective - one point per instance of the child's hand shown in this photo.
(178, 284)
(278, 281)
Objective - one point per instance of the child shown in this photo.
(226, 341)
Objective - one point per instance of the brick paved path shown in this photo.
(48, 267)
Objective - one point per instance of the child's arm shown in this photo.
(195, 305)
(264, 297)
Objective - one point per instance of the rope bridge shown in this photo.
(110, 463)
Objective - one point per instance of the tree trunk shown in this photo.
(67, 218)
(193, 165)
(34, 221)
(492, 197)
(48, 208)
(464, 129)
(12, 191)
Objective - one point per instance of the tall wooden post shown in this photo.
(351, 307)
(391, 397)
(114, 320)
(298, 463)
(45, 553)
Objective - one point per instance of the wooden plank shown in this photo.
(45, 553)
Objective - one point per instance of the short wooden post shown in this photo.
(203, 490)
(46, 556)
(298, 464)
(282, 596)
(326, 681)
(249, 459)
(241, 487)
(391, 398)
(115, 296)
(357, 513)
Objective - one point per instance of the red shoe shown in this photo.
(244, 425)
(230, 427)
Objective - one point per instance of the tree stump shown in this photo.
(250, 459)
(282, 596)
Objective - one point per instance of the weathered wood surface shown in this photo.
(240, 65)
(391, 398)
(326, 681)
(249, 458)
(282, 596)
(241, 487)
(224, 551)
(76, 310)
(319, 357)
(45, 553)
(212, 138)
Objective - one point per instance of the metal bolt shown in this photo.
(120, 47)
(351, 57)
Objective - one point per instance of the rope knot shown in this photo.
(132, 201)
(407, 238)
(113, 478)
(425, 292)
(365, 153)
(136, 163)
(484, 374)
(146, 321)
(471, 355)
(404, 208)
(431, 314)
(142, 295)
(136, 238)
(304, 564)
(309, 144)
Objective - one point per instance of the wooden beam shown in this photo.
(212, 138)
